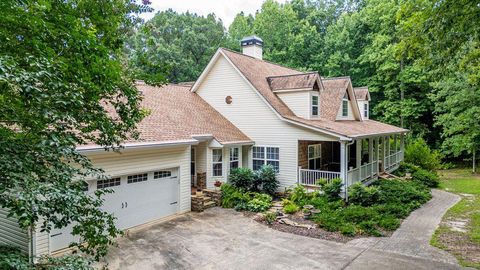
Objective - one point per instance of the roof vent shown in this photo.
(252, 46)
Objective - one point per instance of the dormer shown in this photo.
(363, 99)
(300, 92)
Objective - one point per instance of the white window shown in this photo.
(266, 155)
(161, 174)
(217, 162)
(137, 178)
(233, 157)
(314, 105)
(345, 105)
(365, 110)
(314, 156)
(108, 183)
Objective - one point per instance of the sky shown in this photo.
(225, 10)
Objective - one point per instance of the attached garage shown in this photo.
(149, 184)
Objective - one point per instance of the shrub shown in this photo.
(232, 196)
(363, 195)
(417, 152)
(357, 214)
(389, 222)
(402, 192)
(430, 179)
(259, 203)
(266, 179)
(290, 208)
(406, 168)
(348, 229)
(270, 217)
(369, 227)
(394, 209)
(242, 178)
(332, 188)
(299, 195)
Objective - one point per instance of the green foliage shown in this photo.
(242, 178)
(299, 195)
(363, 195)
(405, 168)
(430, 179)
(61, 67)
(419, 153)
(240, 200)
(290, 208)
(332, 188)
(266, 179)
(174, 46)
(12, 258)
(270, 217)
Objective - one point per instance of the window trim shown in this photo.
(265, 158)
(345, 105)
(365, 110)
(217, 162)
(109, 183)
(314, 106)
(237, 160)
(315, 157)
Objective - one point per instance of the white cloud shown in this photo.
(225, 10)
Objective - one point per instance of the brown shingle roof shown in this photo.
(257, 72)
(361, 92)
(331, 97)
(296, 81)
(177, 114)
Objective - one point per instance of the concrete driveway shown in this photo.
(224, 239)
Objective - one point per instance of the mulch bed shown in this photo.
(315, 232)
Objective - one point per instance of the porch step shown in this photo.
(209, 204)
(387, 176)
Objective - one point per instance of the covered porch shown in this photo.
(359, 160)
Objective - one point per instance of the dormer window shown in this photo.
(314, 105)
(345, 105)
(365, 110)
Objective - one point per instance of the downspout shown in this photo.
(347, 146)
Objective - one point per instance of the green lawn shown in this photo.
(461, 240)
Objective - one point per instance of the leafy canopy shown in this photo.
(63, 83)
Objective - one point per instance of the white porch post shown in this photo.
(343, 166)
(377, 151)
(359, 153)
(402, 145)
(370, 155)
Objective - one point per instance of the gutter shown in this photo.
(97, 148)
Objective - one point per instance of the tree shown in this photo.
(63, 83)
(175, 47)
(447, 46)
(242, 26)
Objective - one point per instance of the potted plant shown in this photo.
(217, 184)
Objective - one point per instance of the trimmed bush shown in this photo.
(419, 153)
(332, 188)
(389, 223)
(266, 180)
(238, 199)
(430, 179)
(363, 195)
(242, 178)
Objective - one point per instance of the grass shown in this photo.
(463, 242)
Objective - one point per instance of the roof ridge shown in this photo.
(262, 60)
(306, 73)
(336, 78)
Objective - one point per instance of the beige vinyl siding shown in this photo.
(10, 232)
(41, 243)
(298, 102)
(130, 161)
(350, 112)
(361, 104)
(201, 157)
(253, 117)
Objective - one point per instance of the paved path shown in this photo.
(413, 236)
(224, 239)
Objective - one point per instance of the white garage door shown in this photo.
(138, 198)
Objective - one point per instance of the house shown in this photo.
(241, 112)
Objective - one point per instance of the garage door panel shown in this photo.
(133, 203)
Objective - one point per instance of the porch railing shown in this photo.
(393, 160)
(364, 172)
(310, 177)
